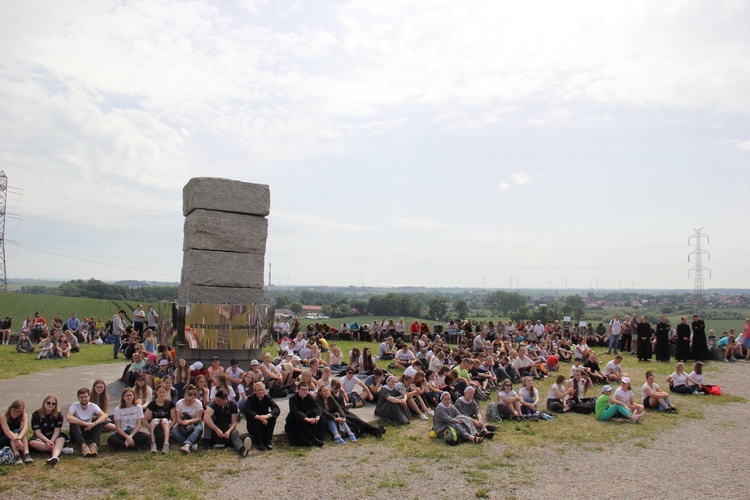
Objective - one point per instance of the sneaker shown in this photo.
(27, 459)
(85, 450)
(185, 448)
(194, 448)
(154, 450)
(19, 460)
(636, 418)
(93, 449)
(339, 440)
(726, 360)
(352, 438)
(67, 450)
(165, 449)
(431, 412)
(219, 445)
(52, 461)
(246, 447)
(422, 416)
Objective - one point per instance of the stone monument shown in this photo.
(220, 298)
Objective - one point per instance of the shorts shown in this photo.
(159, 421)
(746, 343)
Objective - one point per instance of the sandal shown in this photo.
(478, 439)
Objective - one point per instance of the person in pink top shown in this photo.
(746, 339)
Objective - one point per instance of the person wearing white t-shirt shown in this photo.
(697, 376)
(654, 397)
(613, 370)
(508, 398)
(189, 427)
(615, 327)
(529, 399)
(680, 382)
(128, 422)
(624, 394)
(86, 423)
(404, 357)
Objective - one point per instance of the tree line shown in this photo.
(96, 289)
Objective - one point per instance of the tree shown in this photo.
(437, 308)
(461, 308)
(296, 307)
(283, 301)
(576, 304)
(360, 306)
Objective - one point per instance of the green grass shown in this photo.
(18, 306)
(13, 364)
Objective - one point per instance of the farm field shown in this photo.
(18, 306)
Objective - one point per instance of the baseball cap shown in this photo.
(606, 388)
(215, 358)
(625, 380)
(254, 362)
(163, 362)
(152, 357)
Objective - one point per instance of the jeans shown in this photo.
(116, 343)
(614, 341)
(192, 438)
(333, 426)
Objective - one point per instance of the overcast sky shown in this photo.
(405, 143)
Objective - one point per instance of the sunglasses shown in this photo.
(50, 403)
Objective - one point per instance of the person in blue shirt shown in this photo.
(74, 324)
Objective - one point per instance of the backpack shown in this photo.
(450, 436)
(6, 456)
(492, 413)
(277, 391)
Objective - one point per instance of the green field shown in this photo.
(18, 306)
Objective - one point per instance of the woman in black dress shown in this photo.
(700, 345)
(683, 340)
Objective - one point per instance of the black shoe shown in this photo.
(491, 428)
(269, 447)
(318, 443)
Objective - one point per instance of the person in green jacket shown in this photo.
(608, 408)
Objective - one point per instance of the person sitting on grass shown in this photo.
(578, 402)
(220, 420)
(332, 416)
(46, 423)
(159, 416)
(699, 386)
(261, 412)
(732, 350)
(86, 422)
(189, 427)
(356, 424)
(680, 382)
(74, 346)
(404, 357)
(654, 397)
(128, 422)
(24, 345)
(613, 370)
(468, 406)
(303, 426)
(350, 382)
(46, 348)
(63, 347)
(557, 396)
(608, 408)
(5, 332)
(413, 397)
(508, 402)
(100, 398)
(15, 424)
(624, 394)
(529, 399)
(447, 416)
(392, 405)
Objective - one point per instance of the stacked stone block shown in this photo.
(225, 241)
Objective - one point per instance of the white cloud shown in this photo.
(520, 178)
(415, 223)
(504, 186)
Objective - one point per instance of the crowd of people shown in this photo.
(164, 399)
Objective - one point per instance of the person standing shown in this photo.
(118, 330)
(683, 340)
(643, 330)
(700, 344)
(626, 335)
(152, 320)
(139, 316)
(662, 339)
(615, 327)
(745, 339)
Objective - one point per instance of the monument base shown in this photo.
(244, 356)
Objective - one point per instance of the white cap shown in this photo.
(196, 366)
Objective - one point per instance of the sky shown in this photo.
(425, 143)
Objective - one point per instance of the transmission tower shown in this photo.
(3, 200)
(698, 268)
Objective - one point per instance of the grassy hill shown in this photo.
(18, 306)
